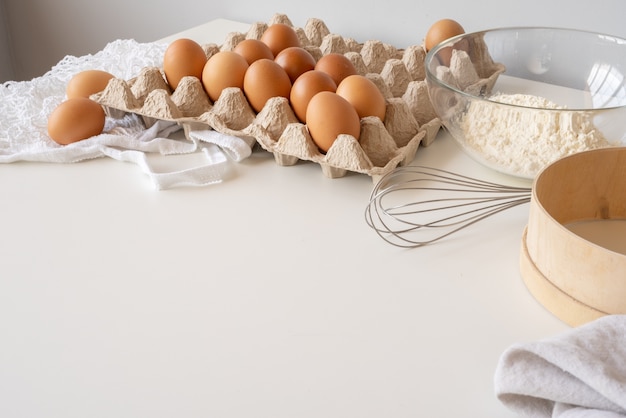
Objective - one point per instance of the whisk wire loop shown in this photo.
(417, 205)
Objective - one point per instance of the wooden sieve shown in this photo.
(574, 278)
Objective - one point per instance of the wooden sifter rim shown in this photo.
(571, 311)
(590, 185)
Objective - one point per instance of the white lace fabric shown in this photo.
(26, 105)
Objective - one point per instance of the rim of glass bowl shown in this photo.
(433, 78)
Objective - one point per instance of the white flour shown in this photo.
(522, 142)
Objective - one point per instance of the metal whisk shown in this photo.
(451, 202)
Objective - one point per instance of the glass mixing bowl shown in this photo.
(517, 99)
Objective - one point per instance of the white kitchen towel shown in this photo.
(25, 107)
(580, 373)
(237, 148)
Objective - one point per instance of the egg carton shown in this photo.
(399, 74)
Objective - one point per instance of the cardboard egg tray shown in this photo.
(399, 73)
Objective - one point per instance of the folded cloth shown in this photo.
(579, 373)
(237, 148)
(25, 107)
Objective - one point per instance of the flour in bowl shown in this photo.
(523, 141)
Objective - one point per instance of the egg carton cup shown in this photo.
(471, 70)
(410, 119)
(474, 73)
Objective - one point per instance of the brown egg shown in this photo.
(74, 120)
(263, 80)
(224, 69)
(364, 95)
(253, 49)
(86, 83)
(329, 115)
(336, 65)
(305, 87)
(440, 31)
(295, 60)
(183, 57)
(280, 36)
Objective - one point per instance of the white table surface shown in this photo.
(264, 296)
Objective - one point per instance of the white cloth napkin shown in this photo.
(237, 148)
(578, 374)
(25, 107)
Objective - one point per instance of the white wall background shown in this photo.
(41, 32)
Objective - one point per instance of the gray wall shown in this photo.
(41, 32)
(6, 56)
